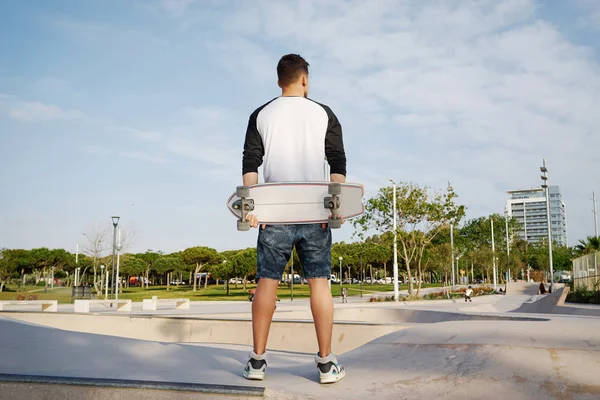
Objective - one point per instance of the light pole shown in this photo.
(451, 241)
(452, 253)
(115, 222)
(596, 233)
(396, 291)
(102, 279)
(595, 214)
(52, 281)
(292, 279)
(507, 247)
(546, 188)
(76, 261)
(340, 258)
(493, 253)
(118, 259)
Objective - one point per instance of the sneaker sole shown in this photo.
(334, 378)
(254, 377)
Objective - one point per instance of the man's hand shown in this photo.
(253, 220)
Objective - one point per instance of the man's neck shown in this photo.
(292, 92)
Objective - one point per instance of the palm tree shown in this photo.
(589, 245)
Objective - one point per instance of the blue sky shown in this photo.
(139, 108)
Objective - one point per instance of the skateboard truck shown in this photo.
(333, 204)
(244, 205)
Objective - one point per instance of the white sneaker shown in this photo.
(330, 370)
(256, 367)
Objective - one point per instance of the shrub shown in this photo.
(582, 295)
(383, 298)
(22, 297)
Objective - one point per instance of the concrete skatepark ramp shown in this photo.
(26, 387)
(461, 359)
(444, 349)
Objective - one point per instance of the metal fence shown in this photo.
(585, 271)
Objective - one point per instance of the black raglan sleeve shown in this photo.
(254, 150)
(334, 145)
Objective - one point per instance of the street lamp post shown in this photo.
(493, 253)
(106, 285)
(292, 279)
(76, 261)
(507, 247)
(452, 253)
(546, 188)
(115, 221)
(340, 258)
(102, 279)
(118, 259)
(395, 216)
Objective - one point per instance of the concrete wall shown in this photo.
(284, 335)
(545, 303)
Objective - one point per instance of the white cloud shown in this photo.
(36, 111)
(481, 91)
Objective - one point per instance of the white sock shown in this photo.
(325, 360)
(263, 356)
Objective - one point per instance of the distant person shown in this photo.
(468, 294)
(293, 135)
(542, 288)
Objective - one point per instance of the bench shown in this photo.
(151, 304)
(47, 305)
(83, 306)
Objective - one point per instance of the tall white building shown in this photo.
(528, 207)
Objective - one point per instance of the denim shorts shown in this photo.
(275, 244)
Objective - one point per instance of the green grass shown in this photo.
(211, 293)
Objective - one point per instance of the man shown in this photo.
(292, 135)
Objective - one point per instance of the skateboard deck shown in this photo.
(297, 203)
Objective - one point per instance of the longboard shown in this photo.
(297, 203)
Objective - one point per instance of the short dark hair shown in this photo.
(290, 67)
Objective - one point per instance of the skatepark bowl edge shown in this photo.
(424, 349)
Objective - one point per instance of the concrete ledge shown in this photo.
(151, 304)
(18, 387)
(83, 306)
(347, 336)
(47, 305)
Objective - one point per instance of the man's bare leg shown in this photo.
(321, 305)
(263, 306)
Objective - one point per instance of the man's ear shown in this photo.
(279, 84)
(304, 80)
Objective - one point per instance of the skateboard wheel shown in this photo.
(335, 223)
(242, 191)
(335, 188)
(243, 225)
